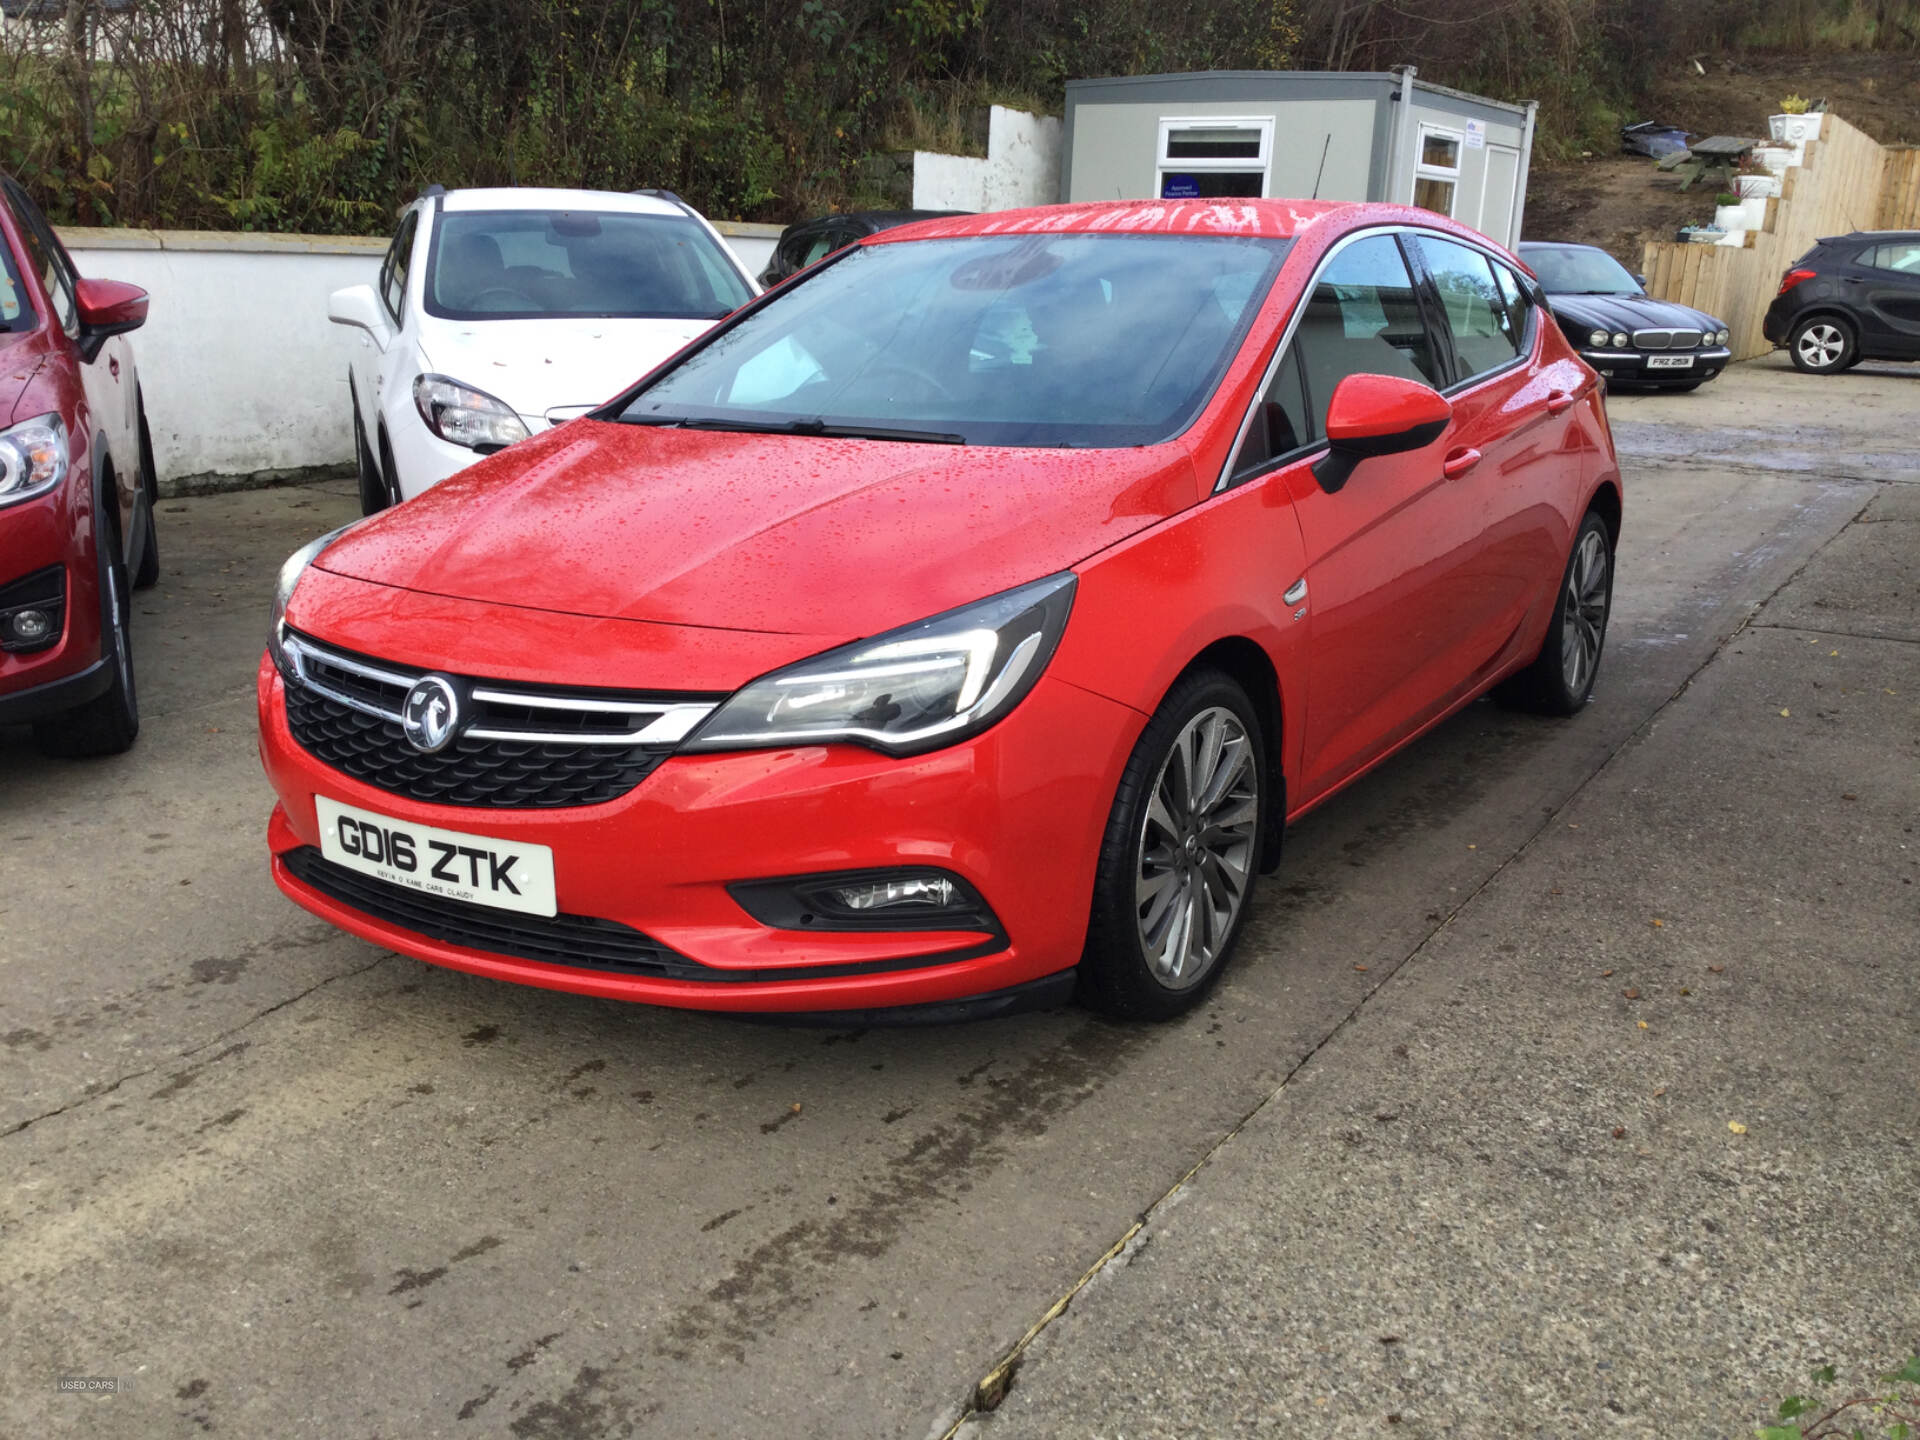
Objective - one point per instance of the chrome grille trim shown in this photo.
(1666, 339)
(649, 722)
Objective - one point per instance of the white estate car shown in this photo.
(501, 312)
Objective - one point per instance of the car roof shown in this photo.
(530, 197)
(1526, 245)
(1270, 219)
(1868, 235)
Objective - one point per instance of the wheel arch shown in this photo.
(1251, 668)
(1605, 501)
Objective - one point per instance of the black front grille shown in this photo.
(580, 942)
(497, 773)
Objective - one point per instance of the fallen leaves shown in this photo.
(1715, 969)
(1643, 1024)
(1631, 993)
(1659, 924)
(1786, 714)
(1605, 973)
(1619, 1132)
(1736, 1127)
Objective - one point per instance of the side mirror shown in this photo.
(107, 307)
(1641, 281)
(357, 305)
(1377, 415)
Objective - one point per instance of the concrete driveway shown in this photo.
(287, 1184)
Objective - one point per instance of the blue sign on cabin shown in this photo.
(1179, 187)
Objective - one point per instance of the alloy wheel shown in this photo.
(1196, 850)
(1584, 612)
(1822, 345)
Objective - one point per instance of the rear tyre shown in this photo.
(1560, 679)
(1822, 345)
(373, 490)
(1177, 864)
(108, 723)
(148, 575)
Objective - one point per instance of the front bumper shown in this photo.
(1018, 812)
(38, 683)
(1631, 367)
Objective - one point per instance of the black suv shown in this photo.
(1850, 298)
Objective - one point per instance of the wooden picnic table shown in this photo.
(1715, 157)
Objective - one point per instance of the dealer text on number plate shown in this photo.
(506, 874)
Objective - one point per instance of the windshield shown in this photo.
(1579, 270)
(544, 264)
(1099, 340)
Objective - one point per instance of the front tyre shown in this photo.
(1560, 679)
(1178, 860)
(373, 490)
(108, 723)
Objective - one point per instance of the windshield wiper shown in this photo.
(803, 427)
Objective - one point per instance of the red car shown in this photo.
(956, 625)
(76, 491)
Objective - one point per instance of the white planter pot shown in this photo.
(1705, 237)
(1777, 158)
(1790, 129)
(1735, 238)
(1756, 187)
(1729, 217)
(1753, 212)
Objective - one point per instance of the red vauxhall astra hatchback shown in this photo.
(958, 624)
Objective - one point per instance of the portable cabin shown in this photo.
(1300, 134)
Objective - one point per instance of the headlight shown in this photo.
(1725, 335)
(290, 573)
(33, 458)
(1598, 337)
(1619, 339)
(907, 691)
(462, 415)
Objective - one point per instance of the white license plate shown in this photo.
(1669, 362)
(506, 874)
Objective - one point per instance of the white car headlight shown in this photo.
(1598, 337)
(1619, 339)
(290, 572)
(910, 690)
(33, 458)
(462, 415)
(1725, 335)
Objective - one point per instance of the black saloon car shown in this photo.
(1619, 329)
(1850, 298)
(806, 241)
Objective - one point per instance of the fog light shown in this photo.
(906, 898)
(31, 625)
(923, 891)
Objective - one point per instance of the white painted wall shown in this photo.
(242, 371)
(1022, 167)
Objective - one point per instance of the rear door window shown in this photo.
(1902, 259)
(46, 259)
(1485, 335)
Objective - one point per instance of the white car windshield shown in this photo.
(1095, 340)
(547, 264)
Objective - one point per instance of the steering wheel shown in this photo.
(931, 387)
(519, 299)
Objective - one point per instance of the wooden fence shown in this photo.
(1845, 181)
(1900, 190)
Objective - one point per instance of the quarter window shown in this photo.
(1361, 319)
(1485, 336)
(1436, 176)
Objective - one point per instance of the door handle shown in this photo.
(1559, 401)
(1459, 462)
